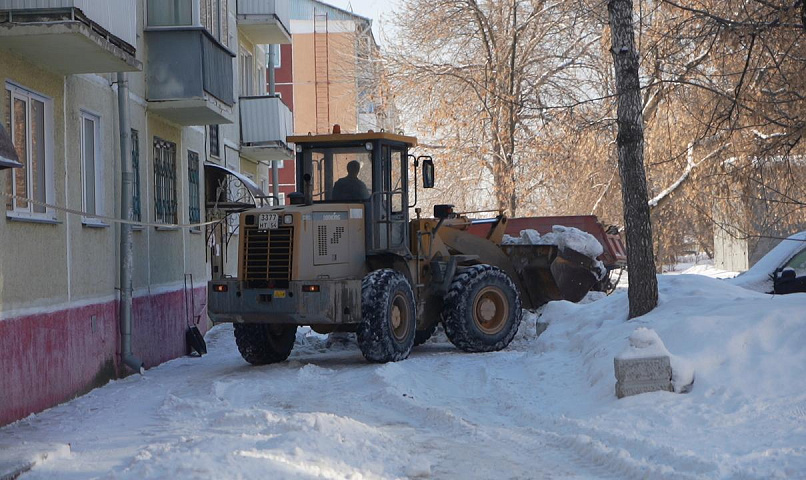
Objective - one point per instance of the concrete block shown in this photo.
(634, 388)
(641, 375)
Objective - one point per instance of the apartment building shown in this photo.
(202, 132)
(331, 73)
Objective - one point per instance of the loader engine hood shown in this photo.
(302, 242)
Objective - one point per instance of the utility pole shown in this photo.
(275, 174)
(643, 290)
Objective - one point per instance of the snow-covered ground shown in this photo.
(543, 408)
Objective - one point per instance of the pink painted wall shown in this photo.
(49, 358)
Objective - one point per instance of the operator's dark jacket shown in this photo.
(350, 188)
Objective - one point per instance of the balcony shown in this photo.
(189, 76)
(72, 36)
(265, 124)
(265, 21)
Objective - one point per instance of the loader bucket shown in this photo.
(573, 273)
(545, 274)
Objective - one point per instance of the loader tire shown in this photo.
(482, 309)
(386, 332)
(261, 344)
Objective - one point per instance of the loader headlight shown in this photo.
(288, 219)
(368, 146)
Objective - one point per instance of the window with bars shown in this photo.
(136, 208)
(164, 181)
(194, 204)
(215, 149)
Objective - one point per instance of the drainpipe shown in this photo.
(275, 174)
(127, 181)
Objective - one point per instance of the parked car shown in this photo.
(781, 270)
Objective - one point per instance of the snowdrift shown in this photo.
(749, 397)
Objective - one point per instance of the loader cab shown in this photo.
(369, 172)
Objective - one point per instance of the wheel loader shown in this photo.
(345, 256)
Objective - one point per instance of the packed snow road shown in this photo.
(323, 414)
(543, 408)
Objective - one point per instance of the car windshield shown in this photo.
(341, 174)
(798, 263)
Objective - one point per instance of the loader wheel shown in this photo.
(482, 309)
(386, 332)
(261, 344)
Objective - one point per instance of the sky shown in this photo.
(380, 11)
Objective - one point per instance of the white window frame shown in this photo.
(28, 213)
(246, 61)
(97, 183)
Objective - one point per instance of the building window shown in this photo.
(172, 13)
(246, 72)
(136, 208)
(164, 181)
(214, 18)
(91, 174)
(215, 149)
(29, 122)
(194, 207)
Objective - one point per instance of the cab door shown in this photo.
(390, 202)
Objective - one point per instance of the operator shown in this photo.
(350, 188)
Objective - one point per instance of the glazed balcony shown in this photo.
(265, 21)
(265, 123)
(189, 76)
(72, 36)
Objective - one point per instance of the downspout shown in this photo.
(275, 174)
(127, 180)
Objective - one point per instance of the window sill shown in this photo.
(32, 218)
(93, 223)
(138, 228)
(197, 231)
(166, 229)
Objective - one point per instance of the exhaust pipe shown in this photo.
(126, 259)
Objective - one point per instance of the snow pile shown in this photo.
(747, 350)
(577, 240)
(758, 277)
(563, 237)
(645, 342)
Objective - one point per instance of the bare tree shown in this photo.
(643, 290)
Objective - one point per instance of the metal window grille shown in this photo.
(215, 150)
(194, 207)
(164, 181)
(136, 209)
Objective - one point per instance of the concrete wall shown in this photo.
(59, 327)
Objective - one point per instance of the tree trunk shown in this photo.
(643, 289)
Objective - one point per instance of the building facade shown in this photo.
(331, 73)
(198, 107)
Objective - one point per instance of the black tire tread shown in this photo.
(258, 345)
(456, 319)
(374, 337)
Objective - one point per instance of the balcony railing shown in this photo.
(72, 36)
(265, 21)
(266, 122)
(189, 76)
